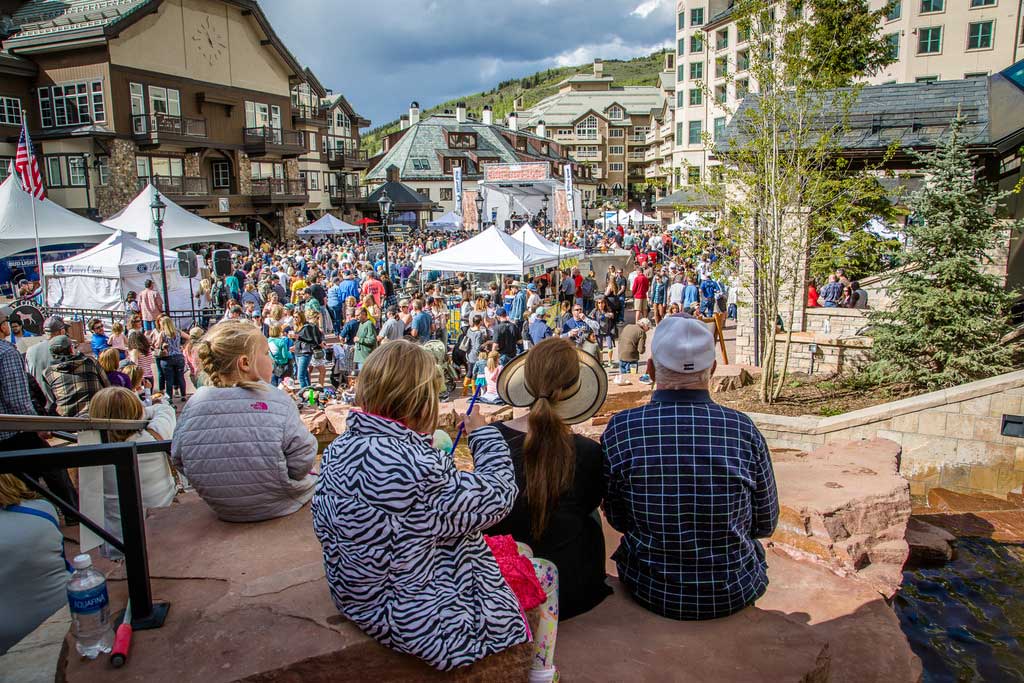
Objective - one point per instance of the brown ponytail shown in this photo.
(549, 452)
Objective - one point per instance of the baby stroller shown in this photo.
(437, 349)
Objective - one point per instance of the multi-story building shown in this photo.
(603, 126)
(930, 40)
(426, 152)
(199, 97)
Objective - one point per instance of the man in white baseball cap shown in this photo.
(690, 486)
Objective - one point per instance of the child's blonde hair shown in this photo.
(109, 360)
(400, 381)
(167, 326)
(195, 334)
(116, 403)
(492, 358)
(274, 330)
(134, 373)
(13, 490)
(219, 350)
(117, 328)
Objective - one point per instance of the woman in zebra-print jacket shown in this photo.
(401, 526)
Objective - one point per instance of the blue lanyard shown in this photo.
(43, 515)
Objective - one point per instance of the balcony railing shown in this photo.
(178, 186)
(347, 158)
(262, 140)
(304, 113)
(155, 125)
(283, 190)
(347, 195)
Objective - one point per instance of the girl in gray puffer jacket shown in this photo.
(240, 442)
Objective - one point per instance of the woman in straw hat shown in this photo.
(559, 473)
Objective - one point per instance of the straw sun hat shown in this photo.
(582, 400)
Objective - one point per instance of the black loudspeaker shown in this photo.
(188, 263)
(222, 262)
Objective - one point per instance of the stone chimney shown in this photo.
(598, 68)
(460, 112)
(392, 174)
(414, 113)
(488, 115)
(670, 61)
(403, 122)
(513, 121)
(542, 129)
(517, 103)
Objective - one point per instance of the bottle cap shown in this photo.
(82, 561)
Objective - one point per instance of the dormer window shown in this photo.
(451, 163)
(587, 128)
(462, 140)
(616, 114)
(343, 124)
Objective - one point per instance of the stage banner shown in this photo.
(457, 173)
(568, 190)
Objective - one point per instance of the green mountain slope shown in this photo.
(533, 88)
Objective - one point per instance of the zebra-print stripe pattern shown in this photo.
(403, 550)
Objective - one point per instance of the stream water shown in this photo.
(966, 620)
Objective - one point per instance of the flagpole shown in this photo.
(35, 224)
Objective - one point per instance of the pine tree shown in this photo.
(948, 313)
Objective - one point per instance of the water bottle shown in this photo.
(90, 609)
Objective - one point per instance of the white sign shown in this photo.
(457, 173)
(224, 204)
(568, 189)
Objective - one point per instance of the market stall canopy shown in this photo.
(181, 227)
(328, 224)
(490, 251)
(56, 224)
(99, 278)
(536, 240)
(620, 218)
(692, 221)
(640, 219)
(451, 222)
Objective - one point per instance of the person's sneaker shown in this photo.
(645, 379)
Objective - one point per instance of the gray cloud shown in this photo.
(383, 54)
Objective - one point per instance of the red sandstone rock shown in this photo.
(943, 500)
(929, 545)
(846, 506)
(729, 378)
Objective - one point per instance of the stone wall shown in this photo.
(122, 185)
(950, 438)
(244, 174)
(835, 322)
(830, 354)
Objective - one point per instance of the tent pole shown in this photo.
(39, 251)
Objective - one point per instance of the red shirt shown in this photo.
(640, 286)
(578, 279)
(376, 288)
(812, 297)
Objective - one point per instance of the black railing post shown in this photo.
(136, 559)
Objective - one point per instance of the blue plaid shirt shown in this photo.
(691, 487)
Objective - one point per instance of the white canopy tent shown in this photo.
(99, 279)
(640, 219)
(534, 239)
(620, 218)
(692, 221)
(328, 224)
(491, 251)
(181, 227)
(451, 221)
(56, 224)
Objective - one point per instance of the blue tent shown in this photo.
(451, 221)
(327, 225)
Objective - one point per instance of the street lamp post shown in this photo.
(480, 201)
(544, 208)
(384, 204)
(158, 208)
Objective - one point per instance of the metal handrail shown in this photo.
(275, 136)
(148, 124)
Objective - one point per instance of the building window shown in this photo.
(72, 104)
(222, 175)
(312, 142)
(696, 43)
(462, 140)
(616, 150)
(264, 170)
(682, 20)
(743, 31)
(929, 40)
(722, 39)
(979, 35)
(895, 11)
(420, 164)
(616, 167)
(5, 167)
(892, 42)
(587, 128)
(616, 133)
(10, 111)
(742, 88)
(696, 71)
(103, 170)
(721, 67)
(681, 46)
(53, 178)
(721, 94)
(696, 96)
(446, 194)
(719, 128)
(932, 6)
(697, 16)
(164, 101)
(743, 60)
(926, 79)
(343, 124)
(616, 114)
(679, 98)
(314, 180)
(977, 74)
(696, 129)
(983, 3)
(679, 133)
(76, 172)
(693, 175)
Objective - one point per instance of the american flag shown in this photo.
(27, 166)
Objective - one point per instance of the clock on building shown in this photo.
(209, 43)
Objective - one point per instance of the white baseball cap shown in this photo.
(683, 344)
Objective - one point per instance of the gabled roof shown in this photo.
(402, 197)
(314, 83)
(565, 108)
(48, 23)
(332, 101)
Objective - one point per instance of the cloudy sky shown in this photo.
(383, 54)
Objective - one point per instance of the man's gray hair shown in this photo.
(670, 379)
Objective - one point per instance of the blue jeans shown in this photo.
(732, 311)
(172, 373)
(625, 366)
(707, 308)
(831, 304)
(302, 365)
(338, 317)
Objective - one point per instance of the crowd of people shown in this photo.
(410, 542)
